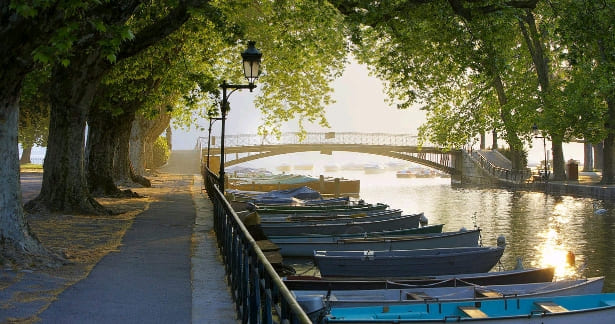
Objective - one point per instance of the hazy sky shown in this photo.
(360, 107)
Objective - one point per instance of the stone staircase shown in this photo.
(183, 162)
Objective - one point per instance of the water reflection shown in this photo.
(540, 229)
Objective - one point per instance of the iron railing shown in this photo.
(259, 293)
(516, 176)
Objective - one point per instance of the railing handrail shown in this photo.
(230, 241)
(321, 138)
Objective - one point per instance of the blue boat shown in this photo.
(592, 308)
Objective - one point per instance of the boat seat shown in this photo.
(551, 307)
(473, 312)
(487, 294)
(418, 295)
(607, 303)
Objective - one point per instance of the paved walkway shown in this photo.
(167, 269)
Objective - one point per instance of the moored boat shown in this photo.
(329, 217)
(516, 276)
(305, 246)
(405, 263)
(374, 297)
(350, 226)
(591, 308)
(428, 229)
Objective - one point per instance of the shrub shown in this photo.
(160, 154)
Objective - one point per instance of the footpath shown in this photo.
(166, 270)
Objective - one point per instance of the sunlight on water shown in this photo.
(539, 229)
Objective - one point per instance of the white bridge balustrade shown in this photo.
(247, 147)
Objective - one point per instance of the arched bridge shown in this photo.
(244, 148)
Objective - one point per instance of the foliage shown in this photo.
(304, 49)
(161, 152)
(34, 110)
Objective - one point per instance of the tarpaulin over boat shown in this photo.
(303, 193)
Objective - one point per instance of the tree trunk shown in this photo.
(26, 153)
(608, 167)
(598, 156)
(64, 185)
(102, 137)
(588, 157)
(482, 141)
(494, 135)
(169, 135)
(121, 165)
(559, 166)
(15, 235)
(144, 132)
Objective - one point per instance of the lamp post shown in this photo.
(211, 122)
(251, 69)
(544, 144)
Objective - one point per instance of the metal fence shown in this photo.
(259, 293)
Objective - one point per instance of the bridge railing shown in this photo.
(516, 176)
(317, 138)
(259, 293)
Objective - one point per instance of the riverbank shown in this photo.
(587, 186)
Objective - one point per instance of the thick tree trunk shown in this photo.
(64, 185)
(588, 157)
(15, 235)
(559, 167)
(121, 165)
(143, 134)
(598, 156)
(26, 153)
(102, 137)
(608, 167)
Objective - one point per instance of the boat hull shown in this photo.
(354, 226)
(405, 263)
(304, 247)
(489, 278)
(594, 308)
(375, 297)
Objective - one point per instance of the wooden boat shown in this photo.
(371, 216)
(354, 298)
(350, 226)
(489, 278)
(592, 308)
(305, 246)
(429, 229)
(319, 209)
(405, 263)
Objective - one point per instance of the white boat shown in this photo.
(593, 308)
(310, 299)
(373, 168)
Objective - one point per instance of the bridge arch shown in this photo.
(399, 146)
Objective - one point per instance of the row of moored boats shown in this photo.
(379, 265)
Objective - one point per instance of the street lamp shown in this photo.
(251, 69)
(544, 144)
(211, 122)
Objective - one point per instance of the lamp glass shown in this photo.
(251, 62)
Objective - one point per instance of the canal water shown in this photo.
(539, 229)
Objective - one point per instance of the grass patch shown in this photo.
(30, 166)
